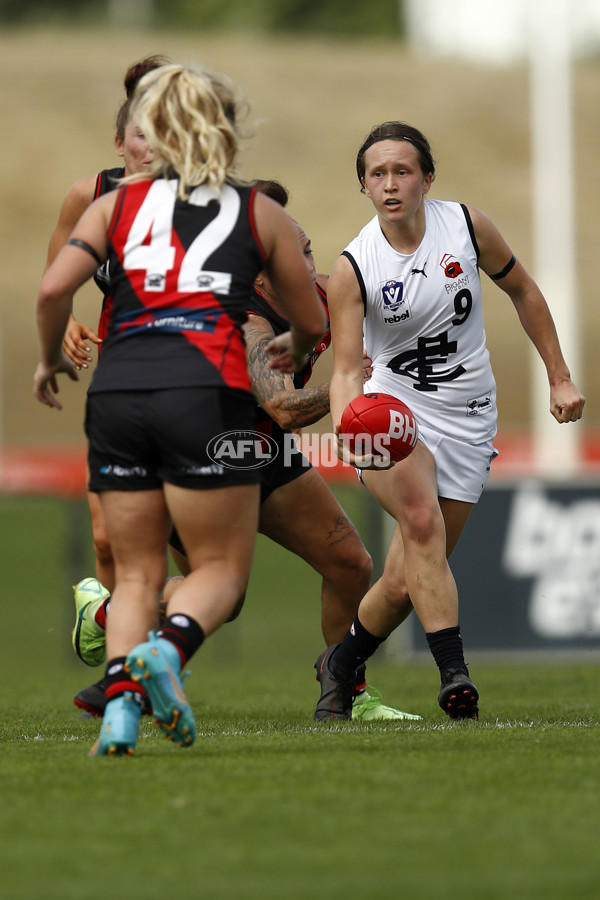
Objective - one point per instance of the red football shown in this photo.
(379, 422)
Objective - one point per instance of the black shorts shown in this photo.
(289, 464)
(140, 439)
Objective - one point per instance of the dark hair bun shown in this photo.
(137, 71)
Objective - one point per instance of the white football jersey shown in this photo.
(423, 325)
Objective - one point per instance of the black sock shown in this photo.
(447, 649)
(184, 632)
(357, 645)
(118, 680)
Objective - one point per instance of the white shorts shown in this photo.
(462, 470)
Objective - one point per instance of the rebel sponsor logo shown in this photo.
(397, 317)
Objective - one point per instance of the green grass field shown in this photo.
(267, 804)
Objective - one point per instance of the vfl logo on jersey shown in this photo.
(451, 266)
(395, 303)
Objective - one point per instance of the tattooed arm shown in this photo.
(274, 390)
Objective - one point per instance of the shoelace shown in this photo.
(372, 699)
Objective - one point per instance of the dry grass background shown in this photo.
(311, 103)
